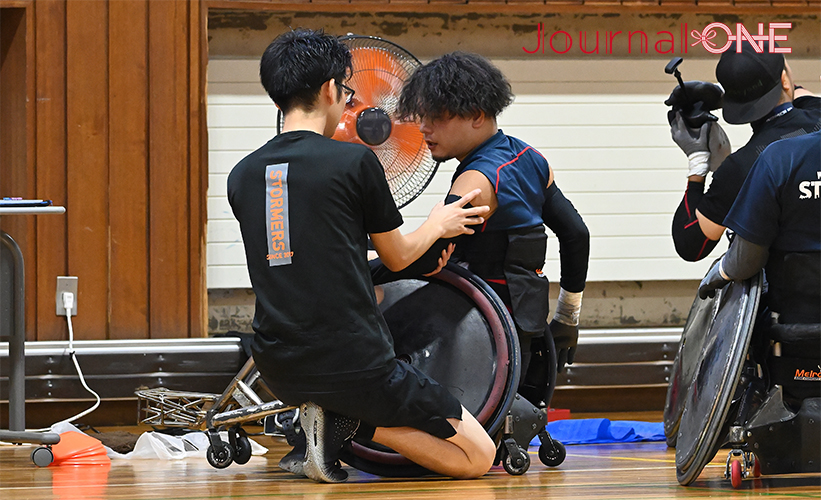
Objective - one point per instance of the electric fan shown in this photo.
(380, 69)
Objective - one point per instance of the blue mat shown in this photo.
(602, 430)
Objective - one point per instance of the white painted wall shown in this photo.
(610, 149)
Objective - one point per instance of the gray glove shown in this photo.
(720, 147)
(694, 143)
(714, 280)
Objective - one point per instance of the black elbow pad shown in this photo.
(690, 242)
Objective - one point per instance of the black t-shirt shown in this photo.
(803, 118)
(305, 204)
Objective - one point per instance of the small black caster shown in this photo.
(554, 455)
(517, 465)
(242, 450)
(220, 455)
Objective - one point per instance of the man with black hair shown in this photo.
(759, 90)
(306, 205)
(458, 97)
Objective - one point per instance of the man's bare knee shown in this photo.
(478, 467)
(479, 449)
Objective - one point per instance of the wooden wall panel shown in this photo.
(111, 122)
(198, 161)
(16, 178)
(128, 167)
(50, 158)
(87, 169)
(168, 179)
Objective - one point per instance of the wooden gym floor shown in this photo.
(620, 471)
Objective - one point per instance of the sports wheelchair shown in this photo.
(744, 382)
(452, 326)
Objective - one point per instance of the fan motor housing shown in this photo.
(373, 126)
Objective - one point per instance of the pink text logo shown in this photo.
(705, 38)
(661, 42)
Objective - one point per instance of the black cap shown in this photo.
(751, 81)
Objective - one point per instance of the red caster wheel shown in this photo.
(756, 468)
(735, 474)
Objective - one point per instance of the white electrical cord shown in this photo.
(68, 305)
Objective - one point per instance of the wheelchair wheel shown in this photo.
(455, 329)
(693, 338)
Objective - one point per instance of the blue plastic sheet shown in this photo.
(602, 430)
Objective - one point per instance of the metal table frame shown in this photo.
(17, 341)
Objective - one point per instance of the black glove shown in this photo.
(711, 282)
(566, 338)
(701, 98)
(709, 94)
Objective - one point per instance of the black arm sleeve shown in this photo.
(690, 242)
(574, 239)
(423, 265)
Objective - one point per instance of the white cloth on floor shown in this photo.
(156, 445)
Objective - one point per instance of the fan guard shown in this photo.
(380, 69)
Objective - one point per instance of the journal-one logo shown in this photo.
(661, 42)
(705, 38)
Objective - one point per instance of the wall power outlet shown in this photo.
(66, 284)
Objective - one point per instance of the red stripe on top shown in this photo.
(508, 163)
(687, 205)
(498, 282)
(690, 224)
(702, 248)
(498, 170)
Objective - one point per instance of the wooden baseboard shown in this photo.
(611, 399)
(124, 412)
(40, 414)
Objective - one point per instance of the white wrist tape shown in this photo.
(568, 307)
(721, 270)
(699, 163)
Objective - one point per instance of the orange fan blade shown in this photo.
(408, 141)
(402, 152)
(379, 77)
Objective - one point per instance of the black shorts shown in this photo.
(405, 397)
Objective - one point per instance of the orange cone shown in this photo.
(76, 448)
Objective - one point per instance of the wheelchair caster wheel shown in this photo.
(756, 468)
(735, 474)
(42, 456)
(242, 450)
(220, 455)
(516, 466)
(552, 456)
